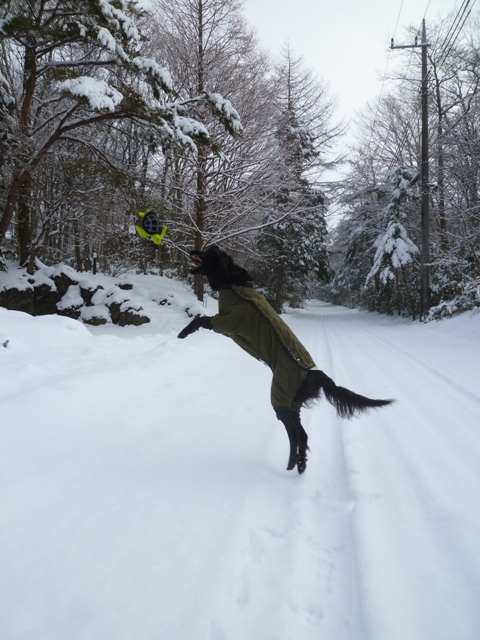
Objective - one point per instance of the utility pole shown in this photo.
(425, 249)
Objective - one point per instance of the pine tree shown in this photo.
(292, 244)
(395, 251)
(293, 253)
(351, 245)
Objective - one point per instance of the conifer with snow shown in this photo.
(395, 251)
(293, 242)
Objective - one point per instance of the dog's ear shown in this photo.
(215, 252)
(219, 268)
(223, 259)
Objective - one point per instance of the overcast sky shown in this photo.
(346, 42)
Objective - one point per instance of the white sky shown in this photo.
(346, 42)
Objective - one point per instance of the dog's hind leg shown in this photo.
(302, 447)
(293, 457)
(297, 437)
(302, 444)
(287, 417)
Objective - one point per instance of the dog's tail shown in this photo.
(347, 403)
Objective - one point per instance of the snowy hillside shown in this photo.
(144, 494)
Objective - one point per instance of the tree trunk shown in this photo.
(200, 218)
(11, 201)
(441, 169)
(199, 286)
(278, 302)
(77, 245)
(25, 223)
(17, 199)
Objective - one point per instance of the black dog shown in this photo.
(247, 318)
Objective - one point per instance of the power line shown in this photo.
(425, 14)
(447, 53)
(445, 48)
(453, 24)
(454, 31)
(384, 79)
(407, 126)
(408, 123)
(406, 132)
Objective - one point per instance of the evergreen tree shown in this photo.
(292, 242)
(352, 247)
(395, 252)
(292, 252)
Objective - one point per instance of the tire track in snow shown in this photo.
(404, 353)
(414, 526)
(434, 403)
(327, 507)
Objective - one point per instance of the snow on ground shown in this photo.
(143, 491)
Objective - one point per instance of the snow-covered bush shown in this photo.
(467, 298)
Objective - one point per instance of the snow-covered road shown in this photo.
(144, 494)
(411, 474)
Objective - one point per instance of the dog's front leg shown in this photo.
(196, 324)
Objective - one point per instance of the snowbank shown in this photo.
(99, 299)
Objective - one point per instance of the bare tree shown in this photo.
(209, 46)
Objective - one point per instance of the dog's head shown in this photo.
(211, 261)
(219, 269)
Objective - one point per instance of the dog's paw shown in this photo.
(302, 460)
(197, 323)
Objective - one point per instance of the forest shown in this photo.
(108, 109)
